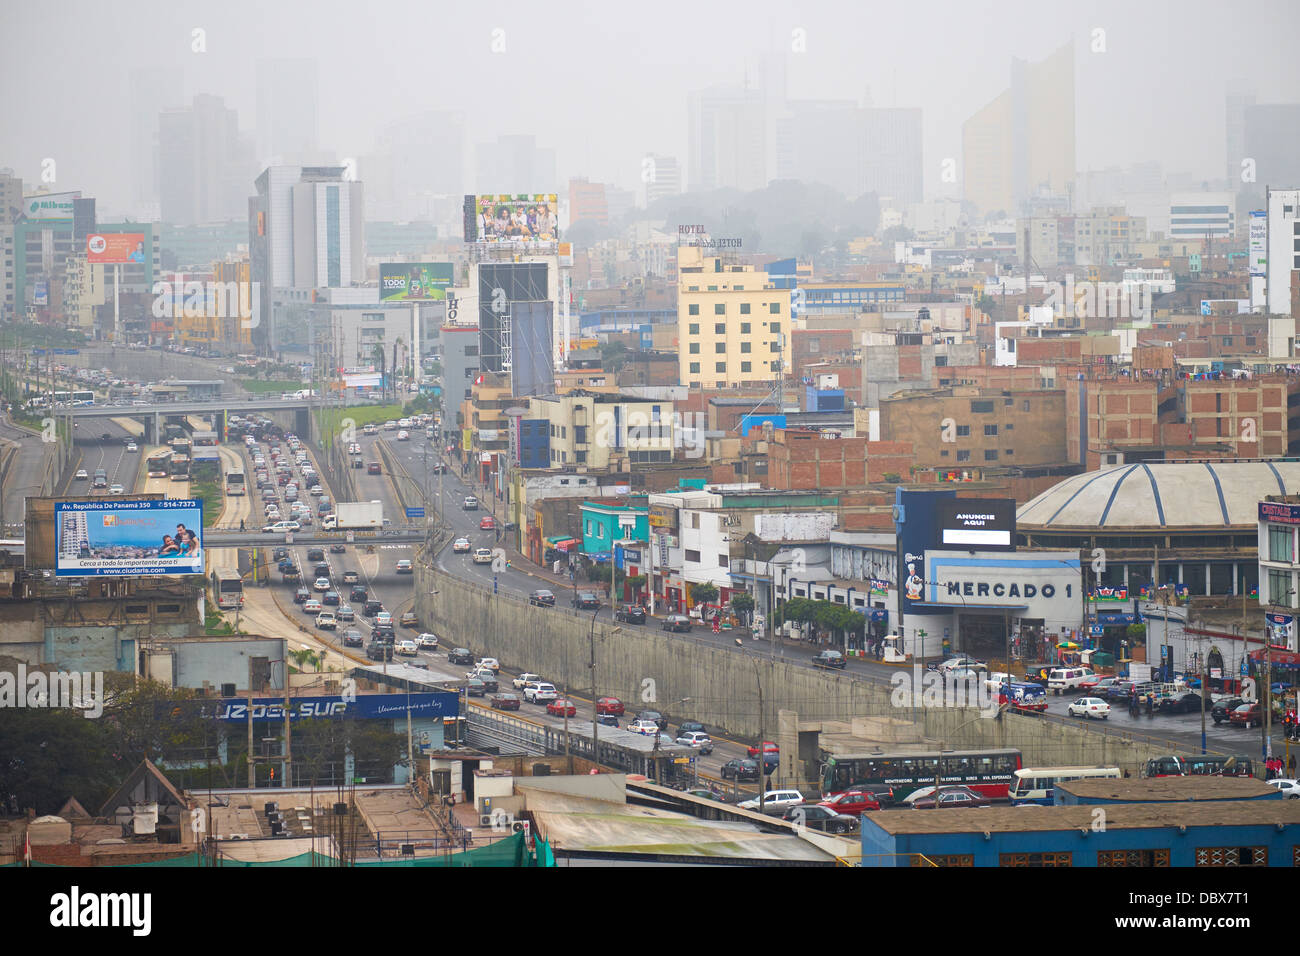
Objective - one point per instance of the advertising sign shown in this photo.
(523, 217)
(1281, 630)
(50, 207)
(115, 248)
(1045, 582)
(1258, 242)
(115, 537)
(422, 281)
(985, 524)
(371, 706)
(1279, 513)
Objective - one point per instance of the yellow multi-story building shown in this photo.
(215, 311)
(733, 324)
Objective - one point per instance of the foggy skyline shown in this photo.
(604, 87)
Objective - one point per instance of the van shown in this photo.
(1067, 678)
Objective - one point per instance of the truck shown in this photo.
(355, 516)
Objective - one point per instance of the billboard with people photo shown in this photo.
(114, 537)
(525, 217)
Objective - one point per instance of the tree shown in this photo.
(704, 593)
(47, 756)
(636, 582)
(743, 605)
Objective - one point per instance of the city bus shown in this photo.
(206, 439)
(158, 465)
(235, 483)
(181, 446)
(180, 468)
(227, 590)
(987, 772)
(1037, 784)
(1201, 765)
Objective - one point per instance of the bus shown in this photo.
(158, 465)
(227, 590)
(1202, 765)
(205, 439)
(181, 446)
(1037, 784)
(83, 398)
(897, 773)
(180, 468)
(235, 484)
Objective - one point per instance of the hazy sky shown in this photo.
(605, 82)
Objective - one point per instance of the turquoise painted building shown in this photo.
(601, 526)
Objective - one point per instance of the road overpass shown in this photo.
(153, 415)
(257, 539)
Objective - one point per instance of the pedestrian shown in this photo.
(1290, 766)
(241, 524)
(1150, 704)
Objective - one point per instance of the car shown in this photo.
(524, 679)
(475, 688)
(852, 802)
(1122, 689)
(403, 435)
(656, 718)
(1246, 715)
(1290, 788)
(132, 447)
(358, 594)
(951, 796)
(331, 598)
(542, 598)
(482, 555)
(81, 475)
(676, 622)
(1067, 678)
(540, 692)
(1103, 686)
(647, 727)
(384, 631)
(491, 663)
(460, 546)
(607, 720)
(350, 577)
(311, 606)
(301, 596)
(487, 523)
(490, 682)
(407, 648)
(505, 701)
(630, 614)
(740, 769)
(1222, 710)
(409, 619)
(352, 638)
(704, 794)
(953, 663)
(282, 527)
(390, 426)
(404, 566)
(345, 613)
(378, 651)
(829, 659)
(1188, 702)
(326, 621)
(697, 740)
(815, 816)
(321, 584)
(427, 639)
(371, 608)
(370, 430)
(586, 600)
(562, 707)
(383, 618)
(1091, 707)
(774, 801)
(280, 554)
(116, 489)
(460, 655)
(768, 748)
(470, 503)
(373, 468)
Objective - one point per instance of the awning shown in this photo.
(567, 544)
(1286, 660)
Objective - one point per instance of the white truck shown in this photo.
(355, 516)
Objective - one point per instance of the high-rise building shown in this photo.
(306, 231)
(1023, 141)
(1271, 141)
(851, 149)
(205, 165)
(1202, 215)
(153, 90)
(728, 139)
(514, 164)
(286, 112)
(1282, 280)
(662, 177)
(587, 202)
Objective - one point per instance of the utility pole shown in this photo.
(252, 773)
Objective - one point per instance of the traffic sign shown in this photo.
(415, 512)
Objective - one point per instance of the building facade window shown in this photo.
(1035, 859)
(1280, 544)
(1132, 857)
(719, 308)
(744, 308)
(1279, 586)
(693, 309)
(1231, 856)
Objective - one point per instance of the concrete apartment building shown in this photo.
(967, 426)
(895, 362)
(602, 430)
(733, 325)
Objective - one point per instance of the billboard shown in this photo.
(1258, 242)
(532, 371)
(1279, 512)
(983, 524)
(50, 207)
(423, 281)
(115, 537)
(1281, 630)
(115, 248)
(524, 217)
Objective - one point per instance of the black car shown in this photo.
(331, 598)
(1222, 711)
(676, 622)
(660, 720)
(338, 549)
(322, 570)
(586, 600)
(291, 573)
(279, 554)
(301, 596)
(384, 631)
(315, 554)
(740, 769)
(691, 726)
(372, 608)
(630, 613)
(378, 651)
(830, 659)
(460, 655)
(607, 720)
(352, 639)
(1187, 703)
(358, 595)
(1120, 690)
(542, 598)
(816, 817)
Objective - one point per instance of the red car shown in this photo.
(562, 708)
(852, 802)
(609, 705)
(768, 748)
(487, 523)
(1089, 683)
(1247, 715)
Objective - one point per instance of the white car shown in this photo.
(390, 426)
(132, 446)
(282, 527)
(698, 740)
(407, 647)
(491, 663)
(541, 692)
(956, 663)
(647, 727)
(483, 556)
(384, 619)
(1092, 707)
(1067, 678)
(1290, 788)
(525, 679)
(326, 621)
(459, 546)
(403, 435)
(774, 801)
(427, 639)
(116, 490)
(403, 423)
(83, 475)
